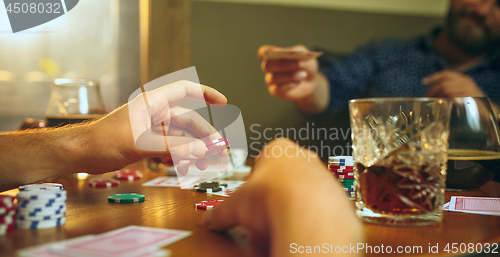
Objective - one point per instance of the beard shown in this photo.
(471, 38)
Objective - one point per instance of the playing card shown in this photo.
(477, 205)
(290, 55)
(165, 181)
(446, 206)
(128, 241)
(45, 250)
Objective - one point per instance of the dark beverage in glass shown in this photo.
(59, 121)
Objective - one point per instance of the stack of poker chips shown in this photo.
(41, 206)
(342, 167)
(7, 214)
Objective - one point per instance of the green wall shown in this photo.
(226, 38)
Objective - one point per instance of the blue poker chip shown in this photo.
(43, 186)
(350, 189)
(35, 224)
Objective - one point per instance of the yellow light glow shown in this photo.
(82, 175)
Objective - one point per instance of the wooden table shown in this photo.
(90, 213)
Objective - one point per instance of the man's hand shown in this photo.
(130, 133)
(289, 198)
(297, 81)
(450, 84)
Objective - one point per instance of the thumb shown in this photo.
(223, 217)
(179, 148)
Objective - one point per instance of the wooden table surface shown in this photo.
(89, 212)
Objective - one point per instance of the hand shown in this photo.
(450, 84)
(288, 199)
(133, 132)
(291, 80)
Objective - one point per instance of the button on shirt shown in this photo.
(395, 68)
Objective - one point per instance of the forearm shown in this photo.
(320, 99)
(27, 157)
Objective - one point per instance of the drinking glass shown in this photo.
(400, 153)
(474, 145)
(73, 101)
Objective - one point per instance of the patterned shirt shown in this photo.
(395, 68)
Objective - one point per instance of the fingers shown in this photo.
(284, 77)
(193, 122)
(183, 167)
(221, 218)
(437, 77)
(175, 92)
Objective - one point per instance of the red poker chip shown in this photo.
(9, 218)
(104, 183)
(207, 205)
(6, 228)
(7, 201)
(343, 173)
(129, 175)
(344, 177)
(340, 167)
(216, 146)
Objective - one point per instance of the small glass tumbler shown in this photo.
(400, 153)
(74, 101)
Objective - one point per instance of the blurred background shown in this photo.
(125, 43)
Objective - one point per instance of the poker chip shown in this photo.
(343, 173)
(40, 212)
(103, 183)
(126, 198)
(43, 186)
(207, 205)
(6, 204)
(23, 217)
(348, 189)
(129, 175)
(210, 187)
(6, 228)
(344, 177)
(216, 146)
(41, 194)
(41, 203)
(40, 224)
(338, 167)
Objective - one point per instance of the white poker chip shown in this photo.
(30, 209)
(40, 194)
(48, 202)
(43, 186)
(29, 224)
(37, 213)
(41, 217)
